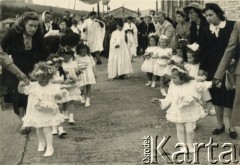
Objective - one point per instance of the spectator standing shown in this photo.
(26, 45)
(163, 27)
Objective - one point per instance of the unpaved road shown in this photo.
(110, 132)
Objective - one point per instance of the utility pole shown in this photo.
(74, 4)
(98, 10)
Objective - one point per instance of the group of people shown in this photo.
(50, 72)
(54, 66)
(197, 70)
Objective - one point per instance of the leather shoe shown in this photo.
(233, 134)
(218, 131)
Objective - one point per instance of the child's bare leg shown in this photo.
(181, 135)
(88, 94)
(190, 135)
(49, 139)
(71, 108)
(41, 139)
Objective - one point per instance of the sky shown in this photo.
(113, 4)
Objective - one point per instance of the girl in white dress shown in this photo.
(86, 63)
(42, 109)
(192, 66)
(70, 67)
(119, 61)
(164, 54)
(185, 106)
(150, 59)
(59, 78)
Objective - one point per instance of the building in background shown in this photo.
(123, 12)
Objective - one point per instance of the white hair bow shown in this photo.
(194, 47)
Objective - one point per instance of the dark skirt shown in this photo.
(222, 97)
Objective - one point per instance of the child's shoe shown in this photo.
(54, 130)
(212, 111)
(41, 147)
(49, 152)
(83, 101)
(65, 115)
(153, 84)
(183, 149)
(148, 84)
(61, 132)
(163, 92)
(71, 120)
(87, 102)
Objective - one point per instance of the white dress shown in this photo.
(193, 72)
(119, 61)
(74, 91)
(192, 69)
(161, 64)
(184, 101)
(37, 93)
(149, 64)
(132, 38)
(95, 34)
(87, 76)
(177, 60)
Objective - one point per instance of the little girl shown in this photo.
(192, 66)
(55, 61)
(70, 67)
(181, 54)
(150, 58)
(185, 106)
(177, 59)
(87, 65)
(164, 54)
(42, 109)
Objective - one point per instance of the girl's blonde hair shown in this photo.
(42, 70)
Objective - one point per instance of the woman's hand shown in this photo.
(217, 83)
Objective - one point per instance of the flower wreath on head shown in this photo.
(152, 35)
(55, 59)
(40, 72)
(163, 37)
(179, 69)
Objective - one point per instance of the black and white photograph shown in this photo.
(119, 82)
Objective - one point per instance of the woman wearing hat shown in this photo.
(183, 26)
(214, 41)
(198, 21)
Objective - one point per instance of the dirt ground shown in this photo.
(110, 132)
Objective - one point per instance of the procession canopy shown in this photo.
(104, 2)
(90, 1)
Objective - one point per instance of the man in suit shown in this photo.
(230, 53)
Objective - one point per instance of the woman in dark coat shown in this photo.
(25, 43)
(214, 40)
(198, 21)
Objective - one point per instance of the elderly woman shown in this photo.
(214, 41)
(198, 21)
(163, 27)
(183, 26)
(24, 42)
